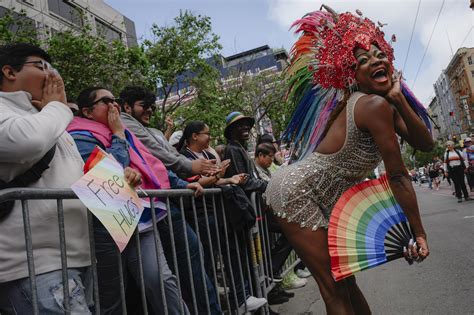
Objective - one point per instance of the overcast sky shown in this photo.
(246, 24)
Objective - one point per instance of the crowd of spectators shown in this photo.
(46, 134)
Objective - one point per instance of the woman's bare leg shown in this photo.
(358, 301)
(312, 248)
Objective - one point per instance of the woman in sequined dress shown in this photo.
(361, 131)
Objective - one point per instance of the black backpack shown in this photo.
(24, 180)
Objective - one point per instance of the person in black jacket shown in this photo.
(237, 133)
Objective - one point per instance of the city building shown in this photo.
(434, 109)
(233, 69)
(50, 16)
(448, 114)
(455, 94)
(460, 73)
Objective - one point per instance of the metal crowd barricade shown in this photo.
(231, 262)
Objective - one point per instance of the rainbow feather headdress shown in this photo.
(322, 70)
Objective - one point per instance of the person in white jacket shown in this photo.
(33, 118)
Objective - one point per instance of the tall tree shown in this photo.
(85, 60)
(178, 53)
(261, 96)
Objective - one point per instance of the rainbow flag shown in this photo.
(96, 156)
(367, 228)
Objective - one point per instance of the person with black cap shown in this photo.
(237, 133)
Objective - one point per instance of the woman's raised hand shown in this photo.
(396, 91)
(115, 123)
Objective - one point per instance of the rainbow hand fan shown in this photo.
(367, 228)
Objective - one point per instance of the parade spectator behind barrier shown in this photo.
(455, 166)
(138, 103)
(237, 133)
(194, 145)
(264, 155)
(279, 158)
(469, 157)
(99, 124)
(33, 118)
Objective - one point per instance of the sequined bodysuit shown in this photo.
(306, 191)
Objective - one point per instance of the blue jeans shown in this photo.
(109, 277)
(182, 261)
(15, 296)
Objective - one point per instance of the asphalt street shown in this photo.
(442, 284)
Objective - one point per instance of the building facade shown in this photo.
(460, 73)
(50, 16)
(435, 112)
(455, 96)
(233, 69)
(448, 114)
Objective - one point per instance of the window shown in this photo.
(469, 60)
(472, 73)
(66, 11)
(106, 32)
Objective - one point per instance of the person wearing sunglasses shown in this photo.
(99, 124)
(135, 115)
(33, 118)
(135, 103)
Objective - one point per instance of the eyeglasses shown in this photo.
(41, 64)
(106, 100)
(146, 106)
(204, 133)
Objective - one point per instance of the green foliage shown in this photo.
(85, 60)
(260, 96)
(422, 158)
(16, 27)
(177, 53)
(180, 51)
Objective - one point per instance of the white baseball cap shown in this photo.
(175, 137)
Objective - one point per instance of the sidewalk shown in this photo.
(307, 301)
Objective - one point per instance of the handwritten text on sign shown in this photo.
(108, 196)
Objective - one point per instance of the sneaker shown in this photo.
(278, 290)
(276, 298)
(303, 273)
(254, 303)
(468, 198)
(459, 199)
(293, 282)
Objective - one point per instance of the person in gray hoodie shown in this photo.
(33, 119)
(138, 105)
